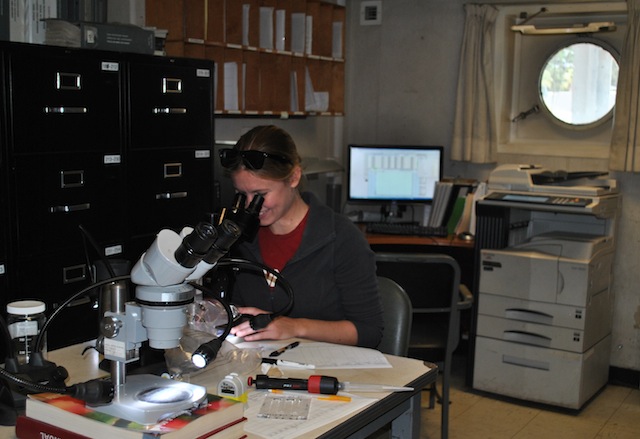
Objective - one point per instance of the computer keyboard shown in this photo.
(406, 229)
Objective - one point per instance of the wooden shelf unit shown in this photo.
(264, 84)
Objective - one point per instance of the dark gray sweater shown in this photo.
(333, 275)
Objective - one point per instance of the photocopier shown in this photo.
(546, 245)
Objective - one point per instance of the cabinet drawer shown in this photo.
(169, 189)
(554, 337)
(537, 374)
(65, 100)
(171, 103)
(597, 313)
(60, 275)
(56, 194)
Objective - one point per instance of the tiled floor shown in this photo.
(613, 413)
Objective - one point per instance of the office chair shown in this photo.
(397, 312)
(432, 282)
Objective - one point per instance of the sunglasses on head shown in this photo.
(252, 159)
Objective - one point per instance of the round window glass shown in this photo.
(578, 84)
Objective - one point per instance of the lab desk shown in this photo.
(401, 409)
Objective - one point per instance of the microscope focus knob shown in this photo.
(110, 326)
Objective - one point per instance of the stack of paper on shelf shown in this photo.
(464, 223)
(450, 201)
(64, 417)
(440, 200)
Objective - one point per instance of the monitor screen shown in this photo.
(383, 173)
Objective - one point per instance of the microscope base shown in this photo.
(149, 399)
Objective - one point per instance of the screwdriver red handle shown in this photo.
(315, 384)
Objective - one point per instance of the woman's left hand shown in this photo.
(278, 329)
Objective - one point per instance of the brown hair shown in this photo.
(272, 140)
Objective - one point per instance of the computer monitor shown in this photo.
(393, 173)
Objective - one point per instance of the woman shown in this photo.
(322, 255)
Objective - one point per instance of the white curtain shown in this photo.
(625, 151)
(474, 130)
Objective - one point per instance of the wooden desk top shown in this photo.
(450, 241)
(404, 372)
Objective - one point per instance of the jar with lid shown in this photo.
(25, 319)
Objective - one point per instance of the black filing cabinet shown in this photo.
(100, 150)
(66, 177)
(4, 202)
(169, 145)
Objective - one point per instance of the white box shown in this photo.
(548, 376)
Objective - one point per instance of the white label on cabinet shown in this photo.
(1, 268)
(113, 250)
(112, 159)
(110, 66)
(203, 154)
(203, 73)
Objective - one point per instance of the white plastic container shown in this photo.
(25, 319)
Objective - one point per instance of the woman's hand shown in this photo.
(245, 330)
(281, 328)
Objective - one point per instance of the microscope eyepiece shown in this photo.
(196, 245)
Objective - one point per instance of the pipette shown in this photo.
(360, 387)
(320, 384)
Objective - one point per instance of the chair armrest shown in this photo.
(466, 296)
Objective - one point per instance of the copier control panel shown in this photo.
(540, 199)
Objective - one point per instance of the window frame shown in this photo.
(539, 134)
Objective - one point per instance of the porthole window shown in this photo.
(578, 83)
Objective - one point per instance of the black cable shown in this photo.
(94, 244)
(39, 340)
(93, 391)
(225, 305)
(256, 266)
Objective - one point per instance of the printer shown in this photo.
(546, 244)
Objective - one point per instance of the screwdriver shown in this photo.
(320, 384)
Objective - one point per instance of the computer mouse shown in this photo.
(465, 236)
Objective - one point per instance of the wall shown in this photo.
(401, 87)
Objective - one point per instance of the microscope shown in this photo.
(164, 278)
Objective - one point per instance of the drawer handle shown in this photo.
(71, 179)
(65, 110)
(70, 208)
(172, 170)
(171, 85)
(527, 315)
(68, 81)
(525, 362)
(75, 273)
(171, 195)
(169, 110)
(527, 338)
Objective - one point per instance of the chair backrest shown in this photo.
(432, 282)
(397, 313)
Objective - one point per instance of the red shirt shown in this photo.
(277, 250)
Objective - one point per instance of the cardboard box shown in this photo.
(117, 37)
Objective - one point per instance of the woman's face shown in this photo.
(278, 195)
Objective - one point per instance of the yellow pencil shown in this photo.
(335, 398)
